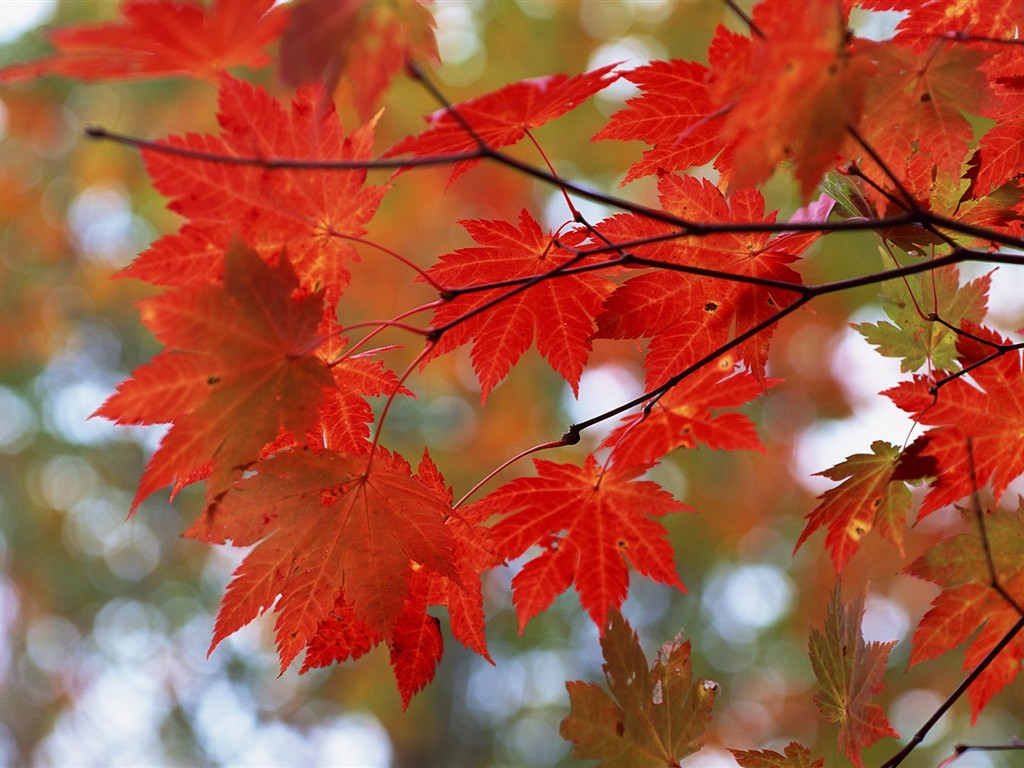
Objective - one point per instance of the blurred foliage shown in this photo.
(105, 621)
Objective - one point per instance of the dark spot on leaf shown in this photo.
(620, 728)
(710, 307)
(925, 98)
(213, 380)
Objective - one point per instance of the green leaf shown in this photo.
(910, 303)
(850, 672)
(797, 756)
(652, 718)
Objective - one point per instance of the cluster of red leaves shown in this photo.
(351, 547)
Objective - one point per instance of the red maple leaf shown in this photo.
(161, 39)
(239, 353)
(340, 636)
(790, 92)
(675, 114)
(917, 104)
(989, 413)
(474, 554)
(923, 23)
(558, 312)
(415, 643)
(321, 524)
(960, 566)
(590, 523)
(691, 315)
(690, 113)
(869, 497)
(850, 672)
(311, 213)
(1002, 146)
(685, 416)
(366, 42)
(502, 117)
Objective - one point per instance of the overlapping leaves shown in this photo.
(352, 549)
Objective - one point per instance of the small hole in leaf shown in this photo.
(710, 307)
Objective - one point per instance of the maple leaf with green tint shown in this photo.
(869, 498)
(241, 353)
(559, 312)
(968, 601)
(850, 672)
(911, 335)
(590, 522)
(989, 412)
(688, 414)
(320, 523)
(796, 756)
(653, 717)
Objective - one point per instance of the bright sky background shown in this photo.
(19, 16)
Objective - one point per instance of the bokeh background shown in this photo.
(105, 622)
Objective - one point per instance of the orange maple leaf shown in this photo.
(590, 523)
(869, 497)
(241, 353)
(160, 39)
(917, 104)
(796, 756)
(415, 642)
